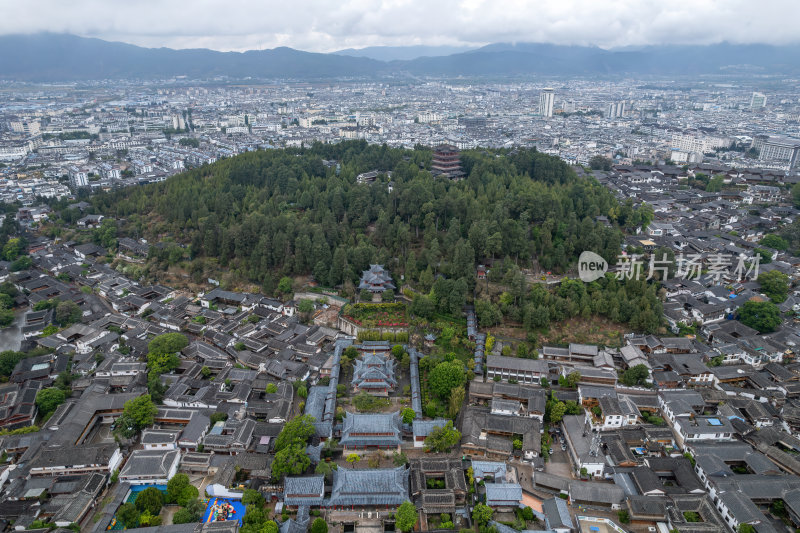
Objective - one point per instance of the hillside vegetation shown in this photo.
(267, 214)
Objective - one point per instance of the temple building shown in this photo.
(446, 162)
(374, 374)
(301, 491)
(358, 489)
(376, 280)
(371, 431)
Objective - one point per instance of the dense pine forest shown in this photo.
(272, 213)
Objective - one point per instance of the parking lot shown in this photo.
(558, 463)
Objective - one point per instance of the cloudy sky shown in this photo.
(328, 25)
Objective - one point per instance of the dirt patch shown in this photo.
(593, 330)
(327, 317)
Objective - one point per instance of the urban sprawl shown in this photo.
(127, 403)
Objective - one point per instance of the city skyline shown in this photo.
(320, 26)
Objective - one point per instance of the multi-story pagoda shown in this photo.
(446, 162)
(376, 280)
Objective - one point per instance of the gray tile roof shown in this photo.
(148, 463)
(369, 487)
(303, 490)
(371, 429)
(503, 494)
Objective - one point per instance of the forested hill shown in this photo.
(262, 215)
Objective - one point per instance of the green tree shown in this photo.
(456, 401)
(13, 248)
(488, 313)
(745, 528)
(766, 255)
(175, 486)
(599, 162)
(47, 400)
(180, 491)
(446, 376)
(442, 439)
(285, 286)
(185, 516)
(168, 343)
(22, 262)
(326, 469)
(137, 414)
(6, 318)
(796, 194)
(635, 376)
(305, 307)
(271, 388)
(350, 353)
(775, 285)
(8, 360)
(353, 458)
(128, 515)
(252, 497)
(408, 415)
(422, 306)
(406, 517)
(291, 460)
(319, 526)
(557, 411)
(762, 316)
(151, 500)
(573, 378)
(399, 459)
(481, 514)
(299, 429)
(774, 241)
(67, 312)
(716, 183)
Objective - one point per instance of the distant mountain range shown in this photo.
(403, 53)
(60, 57)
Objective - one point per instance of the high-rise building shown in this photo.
(780, 149)
(698, 143)
(615, 110)
(447, 162)
(546, 99)
(758, 101)
(78, 177)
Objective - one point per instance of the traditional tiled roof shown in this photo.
(369, 487)
(556, 512)
(305, 490)
(371, 430)
(376, 279)
(423, 428)
(503, 494)
(148, 463)
(374, 371)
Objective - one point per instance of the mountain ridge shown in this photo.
(62, 57)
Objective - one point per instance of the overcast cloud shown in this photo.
(328, 25)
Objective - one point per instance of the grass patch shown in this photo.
(367, 403)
